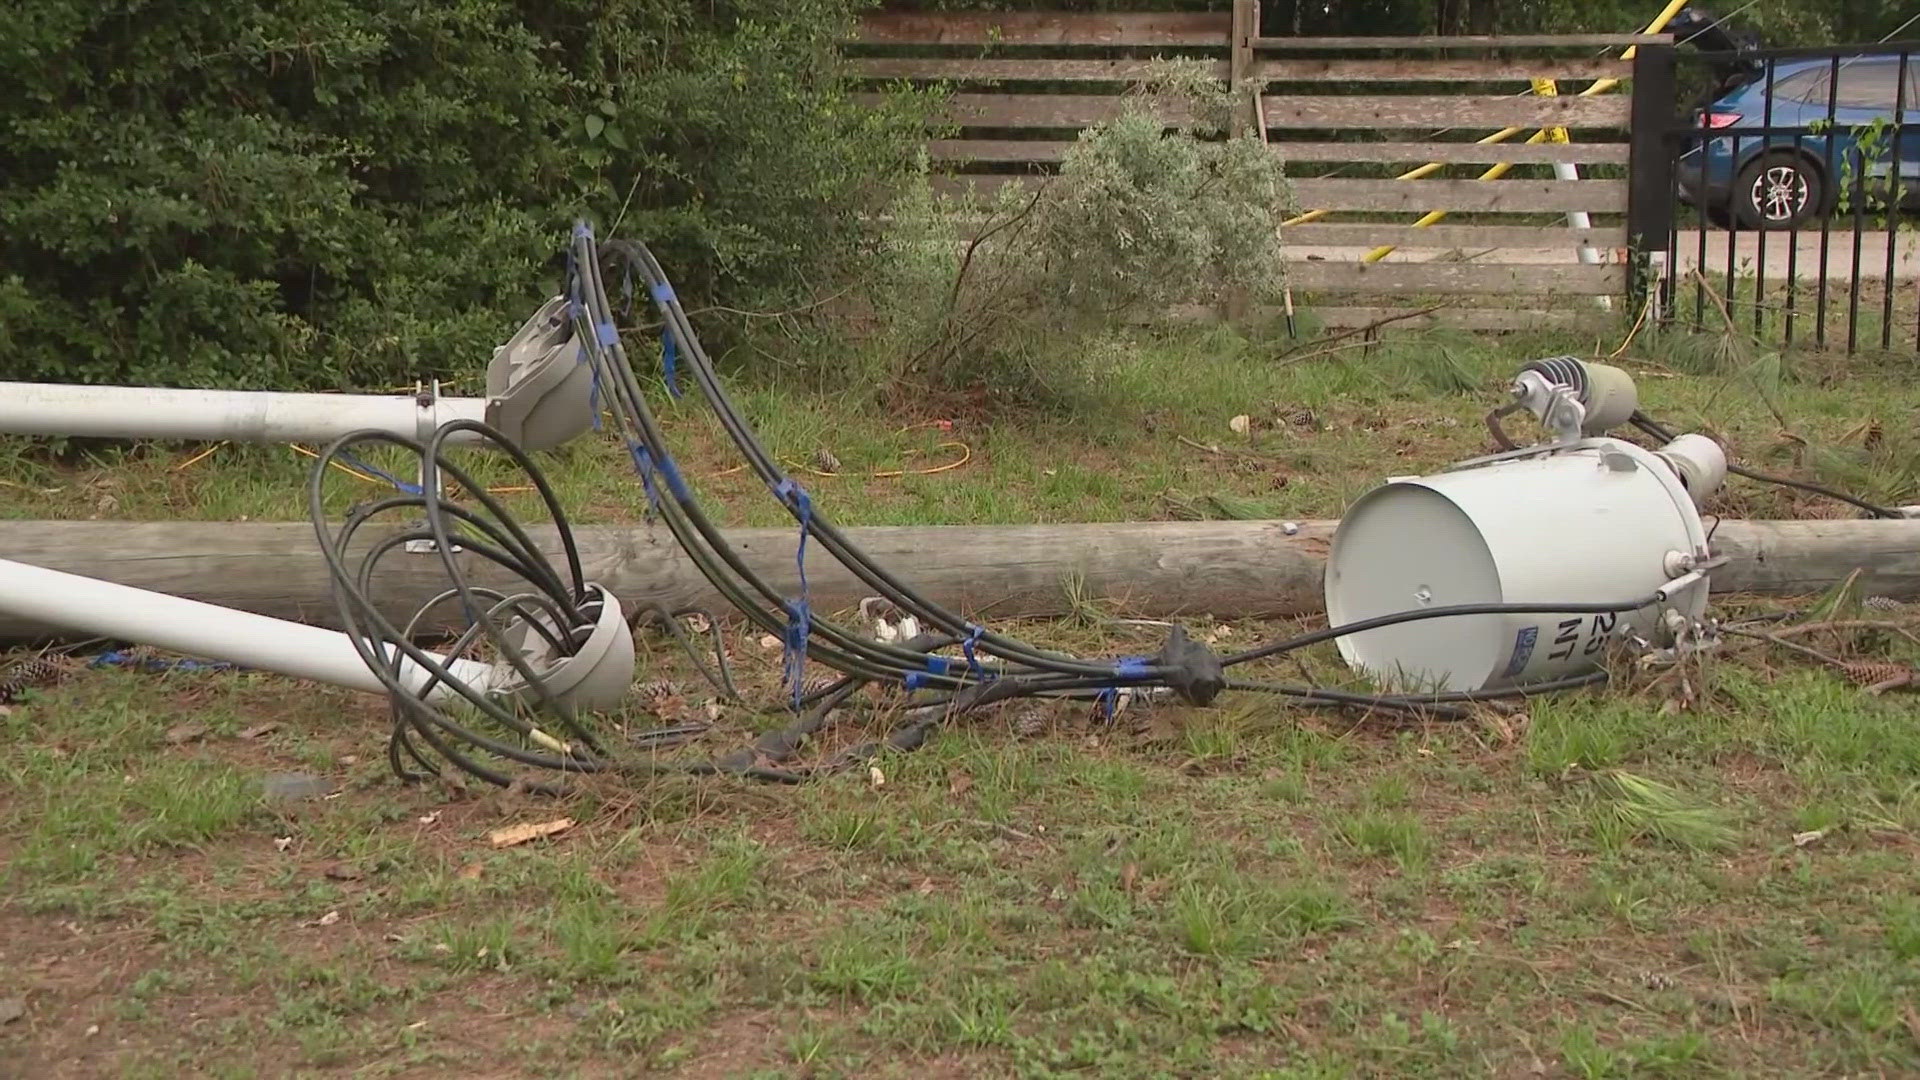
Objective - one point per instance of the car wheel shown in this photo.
(1777, 192)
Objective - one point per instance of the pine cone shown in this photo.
(28, 675)
(824, 461)
(1032, 721)
(1878, 672)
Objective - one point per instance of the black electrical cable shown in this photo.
(1659, 431)
(1437, 704)
(816, 524)
(697, 535)
(561, 609)
(1033, 672)
(720, 675)
(1395, 619)
(557, 605)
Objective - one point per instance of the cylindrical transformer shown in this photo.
(1599, 521)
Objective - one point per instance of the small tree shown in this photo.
(1151, 210)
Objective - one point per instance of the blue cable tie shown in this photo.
(576, 292)
(374, 470)
(606, 333)
(662, 293)
(1131, 667)
(582, 230)
(938, 665)
(799, 625)
(974, 634)
(799, 629)
(915, 680)
(668, 356)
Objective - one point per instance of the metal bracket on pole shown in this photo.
(426, 421)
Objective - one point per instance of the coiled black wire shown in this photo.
(557, 606)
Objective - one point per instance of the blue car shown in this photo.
(1794, 170)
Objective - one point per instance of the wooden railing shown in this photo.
(1349, 115)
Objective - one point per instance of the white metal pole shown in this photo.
(208, 631)
(1580, 221)
(133, 412)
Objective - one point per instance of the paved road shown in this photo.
(1746, 253)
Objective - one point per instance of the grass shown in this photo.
(1598, 886)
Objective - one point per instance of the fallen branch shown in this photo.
(1378, 323)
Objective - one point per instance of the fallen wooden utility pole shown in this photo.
(1226, 569)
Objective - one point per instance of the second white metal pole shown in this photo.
(208, 631)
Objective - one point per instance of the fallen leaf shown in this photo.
(1913, 1024)
(328, 919)
(258, 730)
(1802, 839)
(698, 624)
(12, 1009)
(875, 776)
(1129, 874)
(469, 872)
(959, 784)
(93, 1029)
(343, 872)
(1241, 424)
(428, 819)
(769, 642)
(520, 834)
(6, 710)
(349, 759)
(179, 734)
(282, 843)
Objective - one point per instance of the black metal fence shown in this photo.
(1781, 197)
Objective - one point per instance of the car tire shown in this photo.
(1778, 191)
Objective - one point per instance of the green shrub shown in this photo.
(334, 193)
(1017, 292)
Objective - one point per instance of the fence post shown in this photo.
(1242, 120)
(1650, 166)
(1246, 27)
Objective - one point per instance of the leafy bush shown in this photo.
(332, 193)
(1016, 291)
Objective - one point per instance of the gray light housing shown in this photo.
(539, 384)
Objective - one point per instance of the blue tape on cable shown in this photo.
(675, 483)
(662, 293)
(643, 463)
(582, 231)
(374, 470)
(915, 680)
(974, 634)
(939, 665)
(1131, 667)
(668, 370)
(606, 333)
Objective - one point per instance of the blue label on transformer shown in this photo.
(1523, 643)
